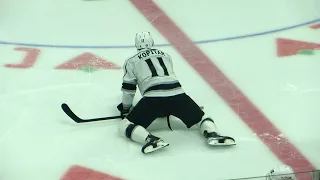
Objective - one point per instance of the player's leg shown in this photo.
(210, 131)
(191, 114)
(134, 127)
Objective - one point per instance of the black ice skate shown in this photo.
(153, 143)
(215, 139)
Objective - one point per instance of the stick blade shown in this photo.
(68, 111)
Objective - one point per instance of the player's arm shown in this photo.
(129, 85)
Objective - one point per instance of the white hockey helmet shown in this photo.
(282, 172)
(144, 40)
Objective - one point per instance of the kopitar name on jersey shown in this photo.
(149, 52)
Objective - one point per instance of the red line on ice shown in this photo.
(316, 26)
(251, 115)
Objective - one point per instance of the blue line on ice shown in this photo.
(160, 45)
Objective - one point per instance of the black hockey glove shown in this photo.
(123, 112)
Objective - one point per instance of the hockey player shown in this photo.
(162, 95)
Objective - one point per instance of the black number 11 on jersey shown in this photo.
(154, 70)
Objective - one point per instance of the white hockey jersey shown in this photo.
(152, 71)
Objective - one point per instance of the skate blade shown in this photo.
(227, 142)
(150, 148)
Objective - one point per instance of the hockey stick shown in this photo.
(74, 117)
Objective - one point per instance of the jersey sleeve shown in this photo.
(129, 85)
(170, 60)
